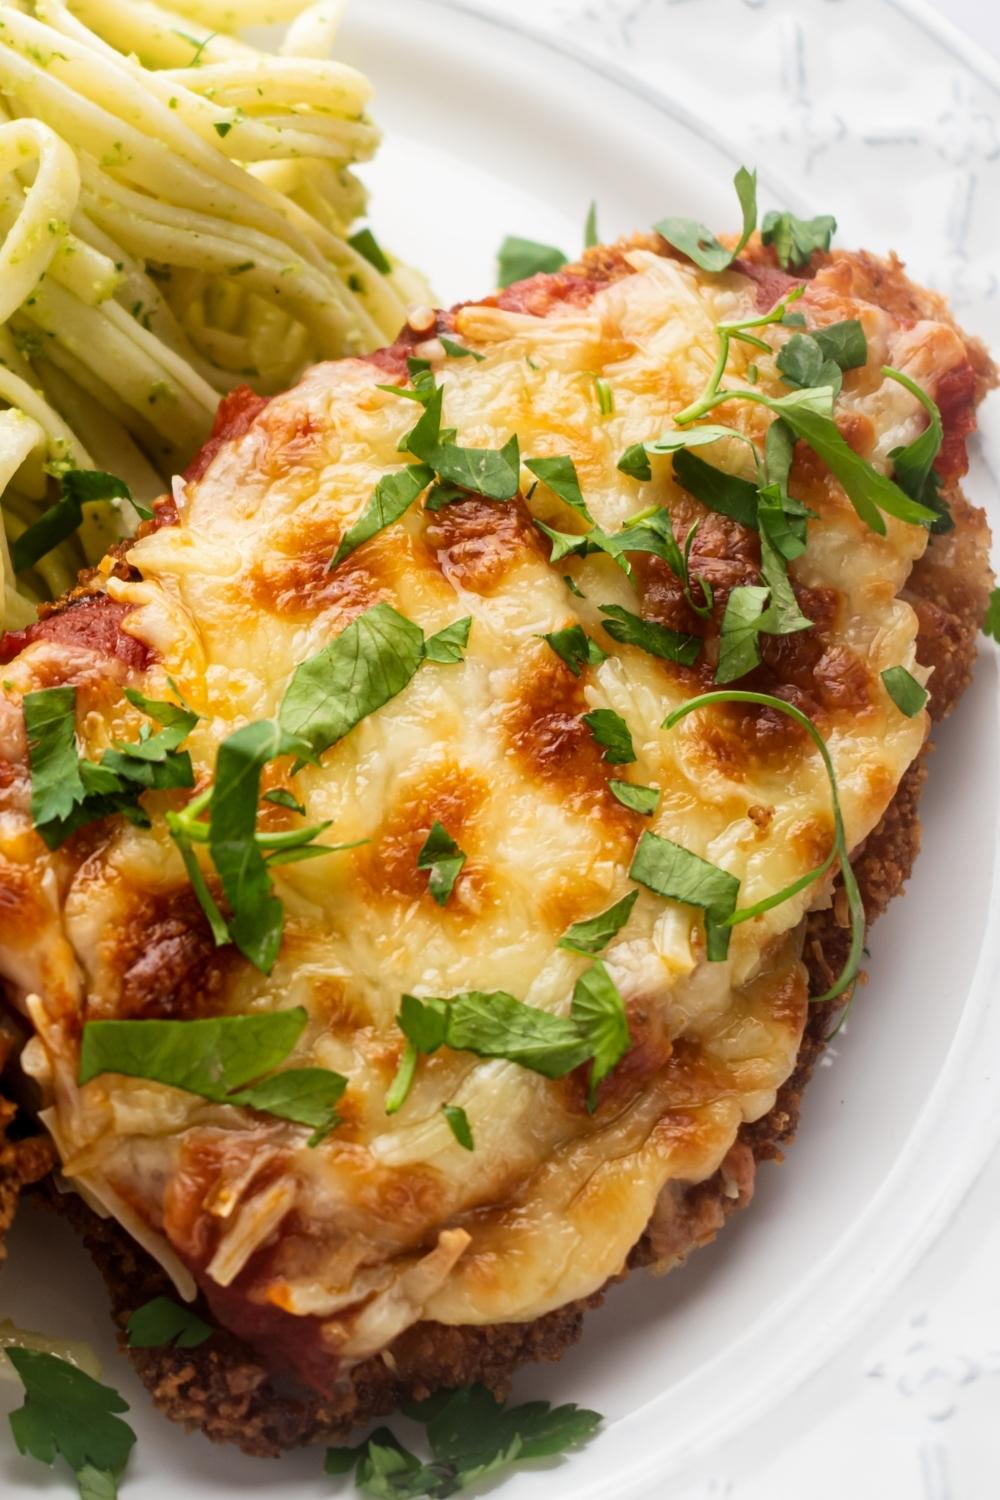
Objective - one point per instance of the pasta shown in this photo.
(176, 212)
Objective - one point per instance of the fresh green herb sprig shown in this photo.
(471, 1436)
(77, 488)
(67, 1412)
(496, 1025)
(795, 239)
(991, 620)
(225, 1059)
(68, 792)
(163, 1321)
(443, 860)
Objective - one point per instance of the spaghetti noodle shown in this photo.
(175, 219)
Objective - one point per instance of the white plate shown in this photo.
(489, 131)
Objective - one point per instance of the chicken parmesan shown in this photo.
(421, 846)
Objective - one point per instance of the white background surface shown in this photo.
(856, 110)
(979, 18)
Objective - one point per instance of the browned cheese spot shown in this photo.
(475, 543)
(163, 961)
(445, 793)
(545, 730)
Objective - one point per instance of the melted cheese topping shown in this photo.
(390, 1220)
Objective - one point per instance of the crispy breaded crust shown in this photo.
(223, 1388)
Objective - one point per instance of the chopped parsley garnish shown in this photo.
(458, 351)
(391, 499)
(598, 1011)
(914, 464)
(727, 494)
(638, 799)
(742, 623)
(561, 477)
(495, 1025)
(471, 1436)
(281, 797)
(226, 1059)
(905, 691)
(575, 648)
(671, 871)
(635, 463)
(68, 792)
(493, 473)
(818, 358)
(164, 1321)
(77, 488)
(838, 851)
(592, 936)
(458, 1124)
(605, 396)
(365, 243)
(991, 623)
(519, 258)
(612, 733)
(367, 664)
(590, 236)
(444, 859)
(658, 640)
(700, 244)
(68, 1412)
(794, 240)
(447, 646)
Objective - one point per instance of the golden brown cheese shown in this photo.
(389, 1220)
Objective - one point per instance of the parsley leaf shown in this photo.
(598, 1010)
(630, 630)
(283, 798)
(804, 365)
(371, 661)
(68, 1412)
(561, 477)
(471, 1435)
(794, 240)
(595, 933)
(914, 464)
(612, 733)
(590, 237)
(458, 351)
(493, 473)
(494, 1024)
(68, 792)
(365, 243)
(727, 494)
(678, 875)
(77, 488)
(699, 244)
(739, 647)
(905, 691)
(223, 1059)
(164, 1321)
(575, 648)
(458, 1124)
(447, 645)
(257, 914)
(991, 624)
(444, 859)
(519, 258)
(56, 786)
(635, 463)
(391, 499)
(638, 799)
(844, 343)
